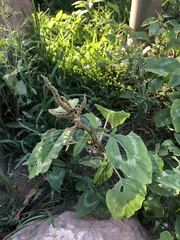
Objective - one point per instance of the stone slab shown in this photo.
(68, 227)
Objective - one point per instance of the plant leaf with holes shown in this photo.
(136, 163)
(125, 198)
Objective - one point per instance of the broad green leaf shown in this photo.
(59, 15)
(84, 183)
(162, 66)
(177, 227)
(153, 205)
(154, 28)
(112, 152)
(174, 81)
(140, 35)
(20, 88)
(177, 137)
(125, 198)
(163, 152)
(91, 121)
(173, 205)
(157, 162)
(163, 118)
(175, 114)
(51, 23)
(155, 84)
(91, 161)
(169, 178)
(103, 211)
(158, 188)
(45, 151)
(174, 95)
(166, 235)
(137, 164)
(87, 203)
(149, 21)
(163, 183)
(173, 43)
(79, 146)
(78, 134)
(81, 186)
(129, 94)
(169, 145)
(55, 178)
(114, 118)
(58, 163)
(103, 173)
(175, 24)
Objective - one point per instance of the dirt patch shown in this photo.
(22, 184)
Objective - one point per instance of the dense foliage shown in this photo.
(83, 50)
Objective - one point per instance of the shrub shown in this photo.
(102, 153)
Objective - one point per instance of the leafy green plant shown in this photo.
(150, 91)
(21, 94)
(171, 8)
(105, 151)
(89, 39)
(86, 52)
(165, 186)
(165, 32)
(169, 68)
(54, 6)
(68, 6)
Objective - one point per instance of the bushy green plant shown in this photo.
(91, 44)
(87, 43)
(21, 95)
(147, 93)
(105, 151)
(86, 51)
(165, 187)
(68, 6)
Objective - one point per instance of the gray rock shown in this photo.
(68, 227)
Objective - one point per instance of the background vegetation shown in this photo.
(82, 49)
